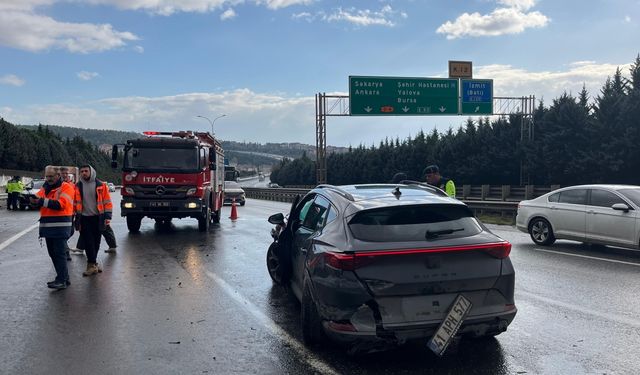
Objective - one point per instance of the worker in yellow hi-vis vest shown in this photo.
(432, 174)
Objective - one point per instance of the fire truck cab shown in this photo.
(168, 175)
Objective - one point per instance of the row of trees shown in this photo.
(31, 150)
(96, 136)
(577, 140)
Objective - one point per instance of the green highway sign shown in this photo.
(477, 97)
(399, 96)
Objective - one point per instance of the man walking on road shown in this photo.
(55, 200)
(93, 206)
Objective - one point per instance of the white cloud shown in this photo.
(303, 16)
(277, 117)
(509, 20)
(166, 7)
(518, 4)
(277, 4)
(386, 16)
(4, 111)
(24, 5)
(627, 19)
(87, 76)
(250, 115)
(139, 49)
(228, 14)
(35, 33)
(511, 81)
(11, 79)
(169, 7)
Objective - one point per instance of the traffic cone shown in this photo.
(234, 210)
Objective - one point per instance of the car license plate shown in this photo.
(449, 327)
(159, 204)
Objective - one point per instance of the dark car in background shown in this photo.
(30, 190)
(233, 191)
(380, 265)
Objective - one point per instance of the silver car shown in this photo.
(599, 214)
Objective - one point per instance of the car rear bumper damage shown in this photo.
(385, 337)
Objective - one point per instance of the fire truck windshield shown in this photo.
(161, 159)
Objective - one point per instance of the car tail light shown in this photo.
(345, 262)
(342, 326)
(351, 262)
(500, 251)
(497, 249)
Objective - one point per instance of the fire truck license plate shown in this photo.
(159, 204)
(449, 327)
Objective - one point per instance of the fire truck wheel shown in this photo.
(204, 220)
(133, 223)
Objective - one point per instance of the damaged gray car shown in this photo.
(375, 266)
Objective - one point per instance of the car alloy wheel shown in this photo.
(541, 232)
(274, 266)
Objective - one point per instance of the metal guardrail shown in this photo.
(479, 206)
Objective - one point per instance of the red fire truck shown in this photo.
(168, 175)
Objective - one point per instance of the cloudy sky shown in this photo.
(158, 64)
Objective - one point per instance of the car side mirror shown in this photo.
(621, 207)
(276, 219)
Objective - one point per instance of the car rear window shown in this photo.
(573, 196)
(414, 223)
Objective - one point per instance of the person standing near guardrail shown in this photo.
(14, 188)
(432, 174)
(55, 200)
(93, 205)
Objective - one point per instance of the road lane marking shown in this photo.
(310, 358)
(611, 317)
(588, 257)
(17, 236)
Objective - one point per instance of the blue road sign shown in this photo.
(477, 96)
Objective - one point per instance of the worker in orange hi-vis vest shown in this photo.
(55, 200)
(94, 207)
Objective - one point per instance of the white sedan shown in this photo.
(600, 214)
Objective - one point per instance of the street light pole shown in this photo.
(211, 122)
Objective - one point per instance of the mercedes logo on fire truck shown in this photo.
(160, 190)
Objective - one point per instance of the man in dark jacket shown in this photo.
(432, 175)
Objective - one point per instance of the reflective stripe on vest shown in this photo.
(103, 200)
(56, 223)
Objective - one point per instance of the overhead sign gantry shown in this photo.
(418, 96)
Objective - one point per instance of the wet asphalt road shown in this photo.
(177, 301)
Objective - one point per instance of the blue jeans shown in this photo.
(55, 246)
